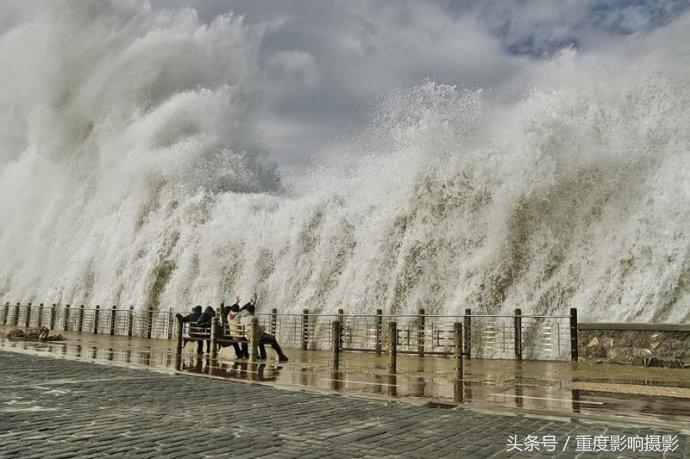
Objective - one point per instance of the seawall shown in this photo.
(656, 345)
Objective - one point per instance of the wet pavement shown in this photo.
(62, 408)
(614, 394)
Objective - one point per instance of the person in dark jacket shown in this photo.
(205, 319)
(264, 339)
(192, 317)
(225, 310)
(247, 313)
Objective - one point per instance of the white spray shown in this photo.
(130, 175)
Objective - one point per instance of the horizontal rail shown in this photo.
(412, 316)
(485, 335)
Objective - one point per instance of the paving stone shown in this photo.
(94, 410)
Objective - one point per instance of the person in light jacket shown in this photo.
(246, 315)
(235, 330)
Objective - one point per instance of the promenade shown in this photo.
(62, 408)
(56, 402)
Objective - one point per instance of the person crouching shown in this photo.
(246, 314)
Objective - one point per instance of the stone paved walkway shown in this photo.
(61, 408)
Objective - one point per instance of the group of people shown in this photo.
(234, 319)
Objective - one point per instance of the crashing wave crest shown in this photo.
(132, 174)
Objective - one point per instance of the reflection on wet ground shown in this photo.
(619, 393)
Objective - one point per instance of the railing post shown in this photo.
(274, 321)
(341, 322)
(170, 322)
(468, 332)
(335, 338)
(40, 316)
(254, 339)
(52, 316)
(7, 311)
(130, 321)
(214, 337)
(113, 317)
(65, 319)
(518, 333)
(80, 324)
(96, 315)
(178, 345)
(573, 335)
(305, 329)
(421, 327)
(392, 346)
(28, 316)
(457, 350)
(16, 315)
(149, 323)
(39, 319)
(379, 330)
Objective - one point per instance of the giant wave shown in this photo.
(132, 173)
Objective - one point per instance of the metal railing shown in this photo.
(486, 336)
(96, 320)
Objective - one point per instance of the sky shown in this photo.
(325, 64)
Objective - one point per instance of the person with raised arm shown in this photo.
(235, 329)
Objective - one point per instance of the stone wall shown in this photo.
(655, 345)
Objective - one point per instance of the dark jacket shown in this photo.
(206, 316)
(249, 307)
(194, 316)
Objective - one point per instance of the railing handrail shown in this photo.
(310, 314)
(48, 306)
(411, 316)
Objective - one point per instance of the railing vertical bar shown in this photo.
(52, 317)
(170, 321)
(113, 318)
(16, 315)
(65, 318)
(468, 332)
(130, 321)
(96, 315)
(392, 346)
(573, 335)
(518, 334)
(80, 324)
(27, 323)
(421, 327)
(7, 311)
